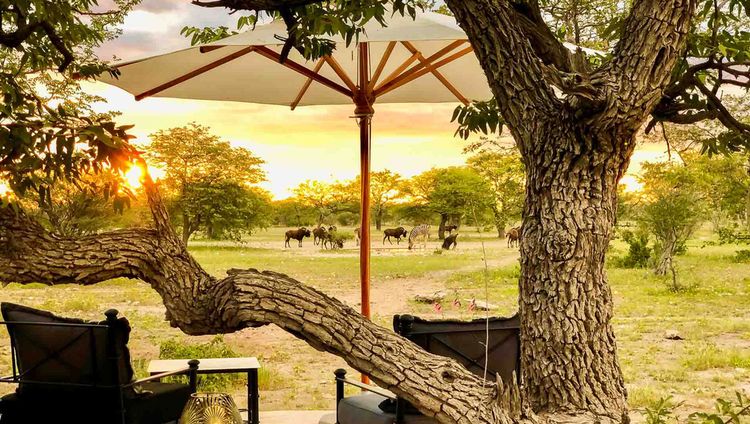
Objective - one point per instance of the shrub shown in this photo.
(639, 254)
(742, 256)
(216, 348)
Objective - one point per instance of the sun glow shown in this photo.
(4, 189)
(134, 176)
(631, 184)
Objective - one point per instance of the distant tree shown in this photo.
(385, 188)
(203, 173)
(326, 198)
(226, 210)
(451, 193)
(673, 207)
(292, 212)
(504, 172)
(725, 182)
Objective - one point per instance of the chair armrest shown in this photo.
(191, 371)
(183, 371)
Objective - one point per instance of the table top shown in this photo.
(207, 365)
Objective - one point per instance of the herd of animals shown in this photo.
(327, 237)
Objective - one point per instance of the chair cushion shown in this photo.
(158, 403)
(61, 354)
(364, 409)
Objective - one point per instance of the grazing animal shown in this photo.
(357, 235)
(450, 228)
(514, 236)
(419, 231)
(319, 234)
(298, 235)
(394, 232)
(450, 240)
(331, 241)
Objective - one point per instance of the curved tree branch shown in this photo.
(198, 303)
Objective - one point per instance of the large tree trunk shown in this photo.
(575, 143)
(378, 218)
(569, 355)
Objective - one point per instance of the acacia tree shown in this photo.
(208, 181)
(672, 209)
(503, 171)
(575, 142)
(385, 187)
(451, 193)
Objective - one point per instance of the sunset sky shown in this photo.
(318, 142)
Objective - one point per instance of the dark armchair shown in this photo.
(463, 341)
(69, 370)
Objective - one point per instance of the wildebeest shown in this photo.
(450, 228)
(331, 240)
(514, 236)
(450, 240)
(298, 235)
(419, 231)
(394, 232)
(319, 234)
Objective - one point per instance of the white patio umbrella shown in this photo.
(422, 60)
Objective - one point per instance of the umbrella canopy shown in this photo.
(422, 60)
(245, 68)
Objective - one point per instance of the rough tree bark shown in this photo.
(575, 148)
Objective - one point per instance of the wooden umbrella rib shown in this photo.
(195, 73)
(270, 54)
(437, 73)
(381, 65)
(334, 64)
(307, 83)
(397, 73)
(411, 76)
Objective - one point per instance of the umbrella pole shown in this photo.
(364, 100)
(365, 123)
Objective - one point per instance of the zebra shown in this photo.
(419, 231)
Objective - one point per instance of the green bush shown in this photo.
(639, 254)
(216, 348)
(742, 256)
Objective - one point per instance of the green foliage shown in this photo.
(48, 130)
(478, 116)
(742, 256)
(672, 209)
(662, 412)
(292, 212)
(639, 254)
(727, 411)
(312, 26)
(504, 172)
(216, 348)
(453, 191)
(208, 182)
